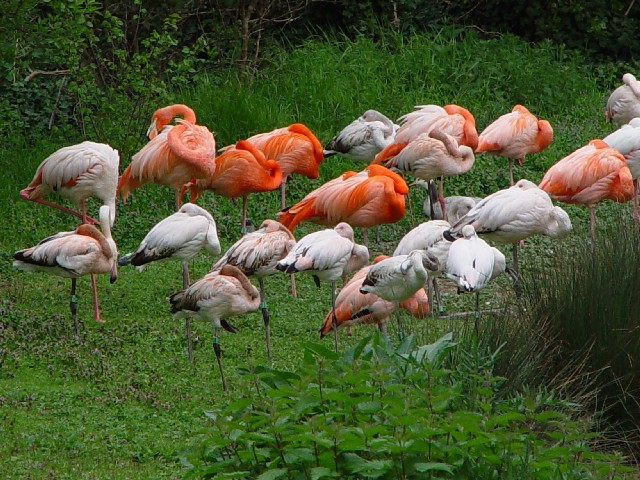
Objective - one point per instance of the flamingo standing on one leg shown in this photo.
(295, 148)
(513, 214)
(371, 197)
(73, 254)
(627, 141)
(514, 135)
(78, 172)
(179, 236)
(174, 156)
(257, 254)
(589, 175)
(239, 171)
(433, 155)
(354, 307)
(399, 277)
(328, 255)
(216, 297)
(623, 105)
(363, 138)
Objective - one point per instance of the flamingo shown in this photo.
(433, 155)
(295, 148)
(239, 171)
(174, 156)
(457, 206)
(256, 254)
(623, 104)
(589, 175)
(428, 236)
(472, 263)
(514, 135)
(354, 307)
(179, 236)
(451, 119)
(215, 297)
(363, 138)
(83, 251)
(513, 214)
(627, 141)
(77, 172)
(397, 278)
(371, 197)
(327, 254)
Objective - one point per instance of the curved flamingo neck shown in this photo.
(470, 134)
(545, 135)
(163, 116)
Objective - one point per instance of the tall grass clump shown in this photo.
(576, 330)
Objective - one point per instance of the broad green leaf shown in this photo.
(273, 474)
(321, 351)
(433, 466)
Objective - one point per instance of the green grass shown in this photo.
(122, 401)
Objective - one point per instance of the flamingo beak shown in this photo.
(113, 274)
(152, 131)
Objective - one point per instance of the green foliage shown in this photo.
(379, 411)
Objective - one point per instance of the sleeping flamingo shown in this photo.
(217, 296)
(354, 307)
(175, 155)
(623, 105)
(239, 171)
(371, 197)
(256, 254)
(589, 175)
(83, 251)
(363, 138)
(295, 148)
(514, 135)
(327, 254)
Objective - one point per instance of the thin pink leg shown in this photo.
(592, 220)
(283, 188)
(96, 307)
(25, 196)
(178, 199)
(243, 227)
(510, 172)
(636, 215)
(441, 199)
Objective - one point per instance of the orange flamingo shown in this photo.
(514, 135)
(295, 148)
(371, 197)
(451, 119)
(355, 308)
(175, 155)
(239, 171)
(73, 254)
(589, 175)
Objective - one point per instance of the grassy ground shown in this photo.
(121, 401)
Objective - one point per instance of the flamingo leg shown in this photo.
(283, 188)
(636, 215)
(382, 326)
(96, 306)
(436, 291)
(216, 349)
(441, 198)
(514, 256)
(243, 227)
(334, 319)
(265, 317)
(396, 311)
(178, 199)
(294, 291)
(510, 172)
(85, 219)
(592, 220)
(73, 306)
(365, 237)
(187, 320)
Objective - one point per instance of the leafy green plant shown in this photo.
(378, 411)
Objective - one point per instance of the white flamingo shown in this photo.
(513, 214)
(327, 254)
(623, 105)
(397, 278)
(363, 138)
(627, 141)
(216, 297)
(83, 251)
(256, 254)
(181, 236)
